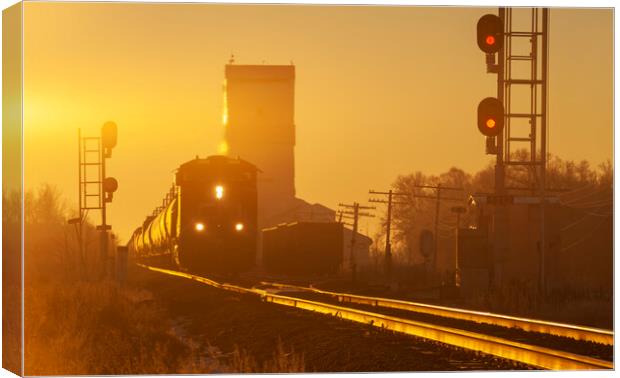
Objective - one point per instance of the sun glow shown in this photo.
(223, 147)
(225, 107)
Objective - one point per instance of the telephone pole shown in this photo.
(390, 202)
(388, 244)
(353, 212)
(457, 273)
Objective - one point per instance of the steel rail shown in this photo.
(530, 354)
(577, 332)
(533, 355)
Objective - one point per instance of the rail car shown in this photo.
(208, 220)
(303, 248)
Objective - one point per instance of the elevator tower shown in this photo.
(259, 107)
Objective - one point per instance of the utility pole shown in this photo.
(388, 244)
(436, 247)
(438, 199)
(390, 202)
(353, 214)
(457, 273)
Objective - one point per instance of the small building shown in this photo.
(519, 263)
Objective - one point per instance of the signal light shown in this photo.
(108, 138)
(239, 226)
(110, 185)
(490, 30)
(490, 116)
(199, 227)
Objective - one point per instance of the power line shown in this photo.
(583, 239)
(438, 198)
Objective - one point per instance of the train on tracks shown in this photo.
(207, 222)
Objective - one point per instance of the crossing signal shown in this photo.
(490, 33)
(490, 116)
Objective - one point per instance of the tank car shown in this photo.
(208, 221)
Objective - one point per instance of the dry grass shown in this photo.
(101, 328)
(282, 361)
(11, 282)
(11, 328)
(76, 323)
(97, 328)
(585, 307)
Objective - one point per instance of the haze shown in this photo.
(380, 91)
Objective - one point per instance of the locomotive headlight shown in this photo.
(219, 192)
(239, 226)
(199, 226)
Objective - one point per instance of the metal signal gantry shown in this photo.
(516, 67)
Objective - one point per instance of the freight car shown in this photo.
(208, 221)
(303, 248)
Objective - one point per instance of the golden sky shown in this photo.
(380, 91)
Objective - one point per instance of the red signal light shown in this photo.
(490, 116)
(489, 33)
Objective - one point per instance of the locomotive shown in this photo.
(208, 221)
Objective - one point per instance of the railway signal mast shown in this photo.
(504, 127)
(95, 188)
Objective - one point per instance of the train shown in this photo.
(208, 220)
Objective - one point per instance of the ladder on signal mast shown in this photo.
(525, 86)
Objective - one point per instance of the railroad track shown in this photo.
(542, 357)
(596, 335)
